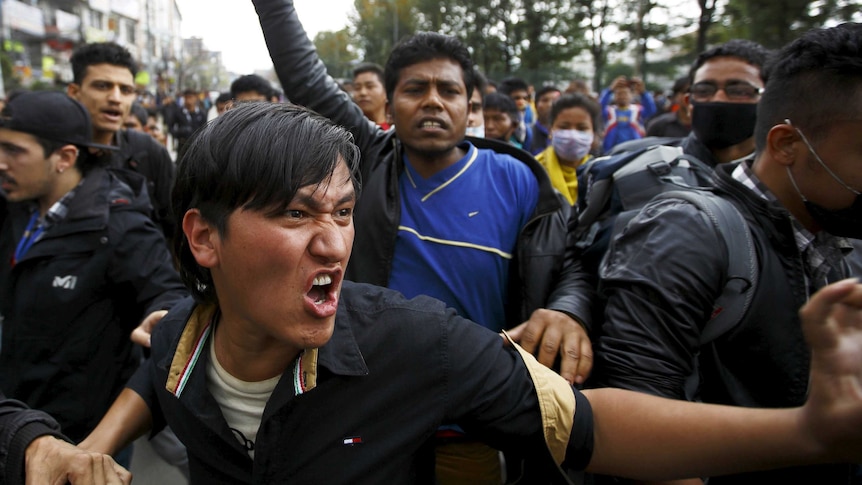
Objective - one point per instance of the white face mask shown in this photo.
(476, 131)
(571, 145)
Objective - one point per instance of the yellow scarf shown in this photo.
(563, 178)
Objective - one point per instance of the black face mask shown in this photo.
(720, 125)
(845, 222)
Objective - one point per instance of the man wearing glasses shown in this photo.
(799, 195)
(726, 83)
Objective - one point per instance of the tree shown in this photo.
(551, 34)
(336, 51)
(704, 22)
(774, 23)
(379, 24)
(598, 22)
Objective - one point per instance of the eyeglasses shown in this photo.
(736, 90)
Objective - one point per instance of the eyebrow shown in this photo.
(728, 81)
(313, 203)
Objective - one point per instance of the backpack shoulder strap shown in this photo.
(742, 272)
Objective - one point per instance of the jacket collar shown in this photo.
(341, 355)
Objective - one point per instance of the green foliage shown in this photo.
(379, 24)
(539, 39)
(336, 51)
(774, 23)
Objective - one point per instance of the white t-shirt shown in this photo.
(242, 403)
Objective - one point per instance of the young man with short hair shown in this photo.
(83, 263)
(281, 371)
(545, 98)
(369, 94)
(474, 223)
(104, 82)
(187, 119)
(251, 87)
(501, 118)
(800, 197)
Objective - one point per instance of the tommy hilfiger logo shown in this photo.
(353, 440)
(65, 282)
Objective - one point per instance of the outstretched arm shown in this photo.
(642, 436)
(127, 419)
(56, 462)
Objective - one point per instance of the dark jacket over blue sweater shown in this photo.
(543, 273)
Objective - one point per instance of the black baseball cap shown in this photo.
(51, 115)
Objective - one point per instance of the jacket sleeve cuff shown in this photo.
(18, 448)
(580, 449)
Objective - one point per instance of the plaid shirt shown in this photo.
(57, 212)
(822, 253)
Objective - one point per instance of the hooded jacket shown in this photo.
(69, 305)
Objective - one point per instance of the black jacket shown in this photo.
(590, 253)
(544, 267)
(69, 305)
(662, 276)
(184, 122)
(392, 372)
(19, 426)
(140, 153)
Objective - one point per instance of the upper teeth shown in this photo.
(322, 280)
(428, 124)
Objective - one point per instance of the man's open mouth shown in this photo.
(320, 289)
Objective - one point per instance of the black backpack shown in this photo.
(613, 189)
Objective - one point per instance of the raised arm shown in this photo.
(301, 72)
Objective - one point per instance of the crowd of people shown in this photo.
(476, 335)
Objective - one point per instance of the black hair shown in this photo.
(100, 53)
(227, 167)
(503, 104)
(511, 84)
(825, 61)
(371, 67)
(50, 146)
(480, 83)
(682, 84)
(750, 52)
(547, 89)
(140, 113)
(578, 100)
(85, 162)
(249, 83)
(427, 46)
(223, 98)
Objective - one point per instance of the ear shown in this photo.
(67, 156)
(72, 90)
(781, 143)
(203, 238)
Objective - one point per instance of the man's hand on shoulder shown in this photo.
(553, 333)
(55, 462)
(144, 332)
